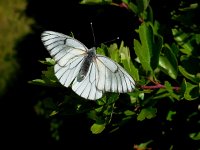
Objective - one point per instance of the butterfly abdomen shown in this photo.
(85, 66)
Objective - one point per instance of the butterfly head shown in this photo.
(92, 50)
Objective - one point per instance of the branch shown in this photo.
(158, 86)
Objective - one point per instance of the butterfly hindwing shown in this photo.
(112, 77)
(87, 87)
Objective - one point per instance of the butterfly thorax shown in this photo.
(86, 64)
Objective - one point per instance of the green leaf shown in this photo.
(127, 63)
(170, 115)
(48, 78)
(166, 67)
(142, 5)
(53, 113)
(125, 1)
(108, 111)
(101, 50)
(143, 49)
(99, 109)
(49, 73)
(195, 136)
(48, 61)
(38, 82)
(112, 98)
(168, 62)
(124, 53)
(183, 39)
(95, 1)
(147, 113)
(189, 91)
(134, 96)
(101, 101)
(92, 115)
(155, 53)
(190, 7)
(114, 52)
(171, 92)
(97, 128)
(143, 146)
(133, 7)
(148, 50)
(197, 38)
(189, 76)
(129, 112)
(160, 94)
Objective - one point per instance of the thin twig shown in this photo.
(158, 86)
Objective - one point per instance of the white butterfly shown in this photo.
(91, 74)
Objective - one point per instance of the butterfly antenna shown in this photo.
(93, 33)
(117, 38)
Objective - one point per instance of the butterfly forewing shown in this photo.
(55, 38)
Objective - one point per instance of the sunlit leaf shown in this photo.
(101, 50)
(127, 63)
(114, 52)
(38, 82)
(143, 49)
(97, 128)
(148, 50)
(48, 61)
(53, 113)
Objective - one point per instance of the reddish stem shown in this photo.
(158, 86)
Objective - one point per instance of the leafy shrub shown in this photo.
(166, 70)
